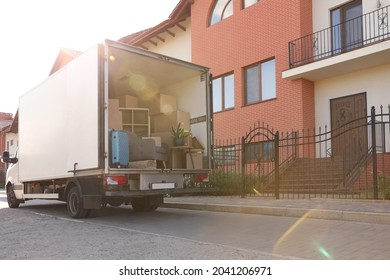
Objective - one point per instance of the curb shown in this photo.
(350, 216)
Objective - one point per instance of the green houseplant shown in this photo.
(179, 134)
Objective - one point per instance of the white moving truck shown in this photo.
(98, 131)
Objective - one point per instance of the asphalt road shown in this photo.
(42, 230)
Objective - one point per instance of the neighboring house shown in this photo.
(5, 123)
(12, 140)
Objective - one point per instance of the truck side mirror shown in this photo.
(5, 157)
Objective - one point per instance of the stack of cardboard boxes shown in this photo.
(164, 114)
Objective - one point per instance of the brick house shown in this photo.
(265, 57)
(293, 66)
(236, 47)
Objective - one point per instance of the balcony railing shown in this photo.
(356, 33)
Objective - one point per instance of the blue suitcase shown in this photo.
(119, 148)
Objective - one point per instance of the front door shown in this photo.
(349, 126)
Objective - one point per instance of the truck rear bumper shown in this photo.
(158, 192)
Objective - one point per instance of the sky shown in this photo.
(32, 33)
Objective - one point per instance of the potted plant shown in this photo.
(179, 134)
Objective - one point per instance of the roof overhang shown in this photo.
(152, 35)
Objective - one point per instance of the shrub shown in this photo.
(384, 186)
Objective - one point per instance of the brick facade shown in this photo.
(253, 35)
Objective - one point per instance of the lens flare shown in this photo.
(324, 252)
(137, 82)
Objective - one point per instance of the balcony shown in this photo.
(353, 45)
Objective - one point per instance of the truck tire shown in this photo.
(11, 198)
(74, 204)
(143, 204)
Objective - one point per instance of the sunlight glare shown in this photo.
(324, 252)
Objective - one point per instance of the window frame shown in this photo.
(223, 92)
(261, 151)
(260, 93)
(225, 155)
(245, 7)
(222, 16)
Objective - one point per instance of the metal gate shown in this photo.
(260, 162)
(308, 163)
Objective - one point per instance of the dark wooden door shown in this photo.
(349, 126)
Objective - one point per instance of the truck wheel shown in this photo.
(11, 198)
(143, 205)
(74, 204)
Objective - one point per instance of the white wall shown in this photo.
(321, 10)
(178, 46)
(374, 81)
(12, 139)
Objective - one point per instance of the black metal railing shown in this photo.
(356, 33)
(352, 161)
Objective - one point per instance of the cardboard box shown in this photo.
(128, 101)
(194, 160)
(163, 104)
(114, 115)
(164, 122)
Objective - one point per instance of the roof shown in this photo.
(5, 116)
(4, 123)
(179, 14)
(5, 120)
(15, 124)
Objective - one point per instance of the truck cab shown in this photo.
(13, 188)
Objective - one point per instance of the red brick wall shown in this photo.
(252, 35)
(384, 164)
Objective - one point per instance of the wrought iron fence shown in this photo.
(361, 31)
(352, 161)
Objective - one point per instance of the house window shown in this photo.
(222, 9)
(223, 93)
(260, 151)
(347, 27)
(248, 3)
(225, 156)
(260, 82)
